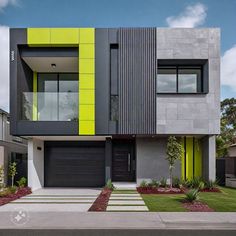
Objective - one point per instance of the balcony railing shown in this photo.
(50, 106)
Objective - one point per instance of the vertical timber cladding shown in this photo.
(137, 80)
(84, 39)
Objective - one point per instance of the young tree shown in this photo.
(174, 152)
(12, 172)
(1, 177)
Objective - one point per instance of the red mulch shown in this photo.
(151, 190)
(214, 190)
(100, 204)
(13, 196)
(197, 207)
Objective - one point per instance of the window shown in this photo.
(179, 79)
(57, 96)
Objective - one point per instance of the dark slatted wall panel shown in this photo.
(137, 86)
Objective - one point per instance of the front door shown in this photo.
(123, 161)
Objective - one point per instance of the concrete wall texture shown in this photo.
(190, 114)
(150, 160)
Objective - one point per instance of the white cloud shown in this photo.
(4, 3)
(4, 67)
(228, 68)
(192, 16)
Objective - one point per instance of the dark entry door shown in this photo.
(123, 161)
(74, 164)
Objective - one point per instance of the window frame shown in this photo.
(200, 89)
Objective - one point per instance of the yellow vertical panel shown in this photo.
(86, 51)
(86, 112)
(87, 35)
(35, 97)
(86, 97)
(183, 160)
(86, 127)
(189, 157)
(65, 36)
(86, 66)
(38, 36)
(197, 158)
(86, 81)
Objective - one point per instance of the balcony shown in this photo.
(50, 106)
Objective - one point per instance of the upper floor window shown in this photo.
(179, 79)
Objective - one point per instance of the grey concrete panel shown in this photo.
(151, 160)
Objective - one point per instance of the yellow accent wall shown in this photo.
(87, 81)
(84, 39)
(197, 158)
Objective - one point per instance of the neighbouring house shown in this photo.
(100, 103)
(230, 167)
(12, 148)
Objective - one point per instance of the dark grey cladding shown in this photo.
(137, 86)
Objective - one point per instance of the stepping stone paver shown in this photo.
(127, 208)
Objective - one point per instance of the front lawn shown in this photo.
(224, 201)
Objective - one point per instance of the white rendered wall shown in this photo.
(35, 164)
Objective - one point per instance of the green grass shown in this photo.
(224, 201)
(164, 202)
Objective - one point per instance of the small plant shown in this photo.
(201, 185)
(12, 172)
(192, 195)
(176, 182)
(210, 184)
(174, 151)
(22, 182)
(154, 183)
(163, 183)
(110, 185)
(12, 189)
(1, 177)
(143, 184)
(5, 192)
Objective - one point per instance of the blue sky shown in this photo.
(126, 13)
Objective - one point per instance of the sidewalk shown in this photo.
(121, 220)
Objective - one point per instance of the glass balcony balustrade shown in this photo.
(50, 106)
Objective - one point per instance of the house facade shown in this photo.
(99, 104)
(12, 149)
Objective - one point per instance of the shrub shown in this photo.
(110, 185)
(143, 184)
(154, 183)
(5, 192)
(210, 184)
(12, 189)
(195, 182)
(22, 182)
(176, 182)
(192, 195)
(163, 183)
(201, 185)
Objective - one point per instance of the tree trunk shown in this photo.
(170, 176)
(12, 181)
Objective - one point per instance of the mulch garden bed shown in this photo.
(160, 190)
(197, 207)
(213, 190)
(100, 204)
(13, 196)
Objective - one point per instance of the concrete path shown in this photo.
(126, 202)
(55, 199)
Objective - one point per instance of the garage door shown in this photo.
(74, 164)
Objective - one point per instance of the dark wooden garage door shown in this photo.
(74, 164)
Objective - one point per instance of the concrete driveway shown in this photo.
(55, 200)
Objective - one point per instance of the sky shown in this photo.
(121, 13)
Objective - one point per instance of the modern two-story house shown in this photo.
(99, 104)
